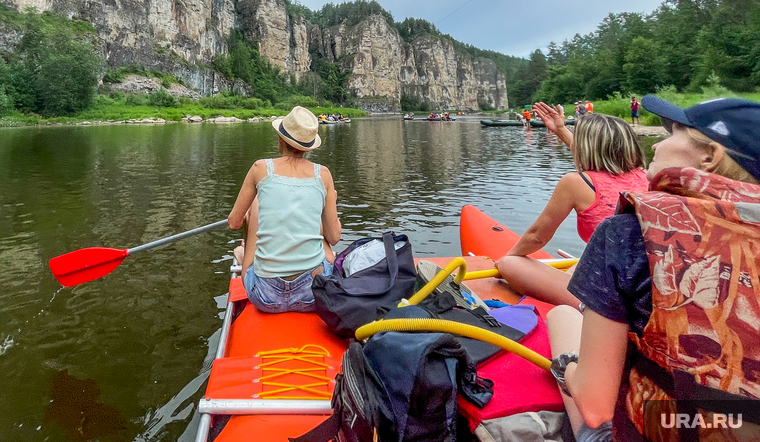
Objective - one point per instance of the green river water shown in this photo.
(125, 357)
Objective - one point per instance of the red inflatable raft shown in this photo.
(481, 235)
(273, 374)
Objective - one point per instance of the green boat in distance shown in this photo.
(539, 123)
(501, 122)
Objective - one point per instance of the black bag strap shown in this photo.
(324, 432)
(391, 260)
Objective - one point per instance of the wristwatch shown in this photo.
(558, 368)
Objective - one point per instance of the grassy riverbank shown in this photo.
(105, 109)
(621, 106)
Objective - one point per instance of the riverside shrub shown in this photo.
(54, 70)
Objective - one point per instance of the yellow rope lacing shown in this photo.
(294, 354)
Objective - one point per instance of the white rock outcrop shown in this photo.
(182, 37)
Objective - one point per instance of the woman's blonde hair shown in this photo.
(606, 144)
(727, 166)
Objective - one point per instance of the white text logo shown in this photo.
(683, 420)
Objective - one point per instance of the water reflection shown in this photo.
(75, 406)
(142, 334)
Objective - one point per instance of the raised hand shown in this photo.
(553, 119)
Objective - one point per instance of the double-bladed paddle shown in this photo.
(92, 263)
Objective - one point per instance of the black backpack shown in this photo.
(400, 387)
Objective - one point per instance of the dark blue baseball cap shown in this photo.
(732, 122)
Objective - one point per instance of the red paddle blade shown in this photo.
(85, 265)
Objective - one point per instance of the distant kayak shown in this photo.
(501, 122)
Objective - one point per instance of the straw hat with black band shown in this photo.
(299, 129)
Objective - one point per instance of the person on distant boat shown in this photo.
(609, 160)
(670, 290)
(580, 110)
(589, 107)
(635, 111)
(526, 116)
(289, 206)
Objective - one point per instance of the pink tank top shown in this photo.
(608, 188)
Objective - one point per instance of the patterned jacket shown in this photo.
(702, 342)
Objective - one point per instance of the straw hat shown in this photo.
(299, 129)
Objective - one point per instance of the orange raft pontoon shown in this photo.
(273, 373)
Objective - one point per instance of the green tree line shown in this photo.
(686, 44)
(54, 69)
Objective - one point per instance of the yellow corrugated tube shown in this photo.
(443, 326)
(439, 278)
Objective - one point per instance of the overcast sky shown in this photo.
(508, 26)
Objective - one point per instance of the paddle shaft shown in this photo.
(177, 237)
(85, 265)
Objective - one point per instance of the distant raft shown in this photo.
(501, 122)
(539, 123)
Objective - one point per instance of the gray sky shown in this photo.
(511, 27)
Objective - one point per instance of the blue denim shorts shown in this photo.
(276, 295)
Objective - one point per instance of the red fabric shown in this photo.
(519, 386)
(608, 188)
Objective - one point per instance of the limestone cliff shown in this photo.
(383, 65)
(183, 36)
(176, 36)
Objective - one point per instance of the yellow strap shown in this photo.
(294, 354)
(292, 358)
(324, 351)
(288, 387)
(303, 371)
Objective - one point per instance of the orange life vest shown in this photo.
(702, 342)
(526, 114)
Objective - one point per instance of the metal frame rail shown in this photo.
(210, 407)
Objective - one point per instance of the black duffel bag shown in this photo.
(347, 303)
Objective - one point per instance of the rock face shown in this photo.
(447, 79)
(175, 36)
(383, 65)
(283, 40)
(183, 36)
